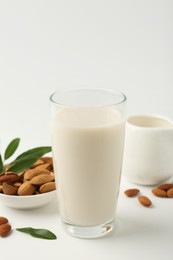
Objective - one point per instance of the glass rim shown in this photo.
(111, 91)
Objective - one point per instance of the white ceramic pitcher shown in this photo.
(148, 151)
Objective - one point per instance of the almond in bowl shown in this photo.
(32, 188)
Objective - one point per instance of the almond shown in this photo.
(41, 179)
(170, 193)
(9, 189)
(3, 220)
(5, 229)
(145, 201)
(45, 166)
(159, 193)
(166, 186)
(29, 174)
(47, 159)
(131, 192)
(52, 174)
(9, 177)
(37, 163)
(26, 189)
(49, 186)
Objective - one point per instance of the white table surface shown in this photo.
(143, 233)
(47, 45)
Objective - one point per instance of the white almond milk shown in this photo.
(87, 149)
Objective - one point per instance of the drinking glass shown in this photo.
(87, 133)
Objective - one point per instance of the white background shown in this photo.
(46, 45)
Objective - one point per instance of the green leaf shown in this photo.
(22, 165)
(11, 148)
(28, 158)
(1, 164)
(35, 152)
(38, 233)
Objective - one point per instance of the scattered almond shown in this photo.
(145, 201)
(170, 193)
(5, 229)
(159, 193)
(3, 220)
(131, 192)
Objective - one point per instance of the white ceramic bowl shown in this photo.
(27, 202)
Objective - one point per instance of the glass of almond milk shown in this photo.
(87, 132)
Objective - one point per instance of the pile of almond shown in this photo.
(36, 180)
(163, 191)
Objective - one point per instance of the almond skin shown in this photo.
(3, 220)
(131, 192)
(45, 166)
(165, 186)
(9, 189)
(47, 159)
(170, 193)
(145, 201)
(159, 193)
(5, 230)
(37, 163)
(41, 179)
(49, 186)
(26, 189)
(9, 177)
(29, 174)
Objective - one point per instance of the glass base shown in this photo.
(89, 232)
